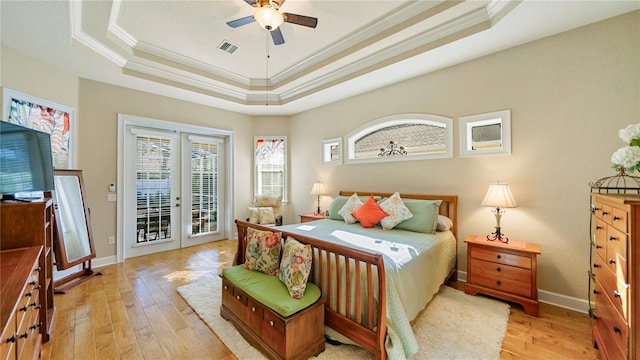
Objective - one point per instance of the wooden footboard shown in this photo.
(365, 322)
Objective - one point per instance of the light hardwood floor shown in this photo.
(133, 311)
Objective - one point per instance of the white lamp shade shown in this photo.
(317, 189)
(268, 17)
(499, 195)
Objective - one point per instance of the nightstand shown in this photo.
(311, 217)
(505, 271)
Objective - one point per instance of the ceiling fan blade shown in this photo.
(277, 37)
(242, 21)
(250, 2)
(300, 20)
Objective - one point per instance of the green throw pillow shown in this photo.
(425, 216)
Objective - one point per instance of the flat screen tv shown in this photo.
(26, 165)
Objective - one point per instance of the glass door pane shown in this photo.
(204, 188)
(154, 175)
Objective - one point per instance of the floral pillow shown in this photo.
(397, 211)
(369, 213)
(295, 267)
(349, 207)
(263, 251)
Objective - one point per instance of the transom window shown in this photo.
(402, 137)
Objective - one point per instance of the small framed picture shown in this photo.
(332, 151)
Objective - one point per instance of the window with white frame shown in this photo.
(402, 137)
(270, 160)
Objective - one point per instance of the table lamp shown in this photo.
(499, 196)
(317, 190)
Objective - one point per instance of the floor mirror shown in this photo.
(72, 242)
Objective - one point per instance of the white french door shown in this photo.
(173, 190)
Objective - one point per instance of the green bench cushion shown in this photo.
(270, 291)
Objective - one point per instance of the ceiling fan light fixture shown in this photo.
(268, 17)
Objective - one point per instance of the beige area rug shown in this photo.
(453, 326)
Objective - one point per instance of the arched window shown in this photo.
(402, 137)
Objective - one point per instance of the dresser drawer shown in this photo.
(501, 277)
(600, 237)
(613, 287)
(500, 257)
(619, 219)
(613, 329)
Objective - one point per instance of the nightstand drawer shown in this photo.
(501, 257)
(501, 277)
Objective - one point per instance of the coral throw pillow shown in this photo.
(369, 213)
(263, 251)
(295, 267)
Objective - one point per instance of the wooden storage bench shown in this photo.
(260, 307)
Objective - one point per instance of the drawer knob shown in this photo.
(616, 294)
(605, 213)
(271, 323)
(24, 308)
(498, 269)
(499, 256)
(12, 339)
(238, 297)
(617, 329)
(598, 247)
(25, 335)
(596, 265)
(32, 282)
(616, 218)
(596, 292)
(499, 282)
(28, 294)
(253, 308)
(611, 261)
(598, 227)
(612, 237)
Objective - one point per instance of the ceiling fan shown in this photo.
(269, 17)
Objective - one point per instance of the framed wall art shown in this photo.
(332, 151)
(46, 116)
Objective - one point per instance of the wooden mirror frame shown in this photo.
(62, 261)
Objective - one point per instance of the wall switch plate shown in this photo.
(112, 197)
(112, 239)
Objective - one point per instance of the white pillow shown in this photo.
(349, 207)
(253, 215)
(265, 215)
(397, 211)
(444, 223)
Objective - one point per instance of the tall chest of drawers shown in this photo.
(616, 237)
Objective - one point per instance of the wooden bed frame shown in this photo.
(368, 331)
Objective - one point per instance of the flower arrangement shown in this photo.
(628, 157)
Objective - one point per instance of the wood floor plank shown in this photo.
(134, 312)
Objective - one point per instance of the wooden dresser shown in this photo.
(616, 234)
(19, 303)
(506, 271)
(24, 224)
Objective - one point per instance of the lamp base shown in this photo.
(497, 235)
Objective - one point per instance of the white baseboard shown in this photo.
(551, 298)
(104, 261)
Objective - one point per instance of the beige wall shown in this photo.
(568, 94)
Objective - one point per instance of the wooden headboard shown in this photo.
(448, 208)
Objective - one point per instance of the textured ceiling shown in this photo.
(171, 47)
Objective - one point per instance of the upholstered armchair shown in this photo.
(266, 210)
